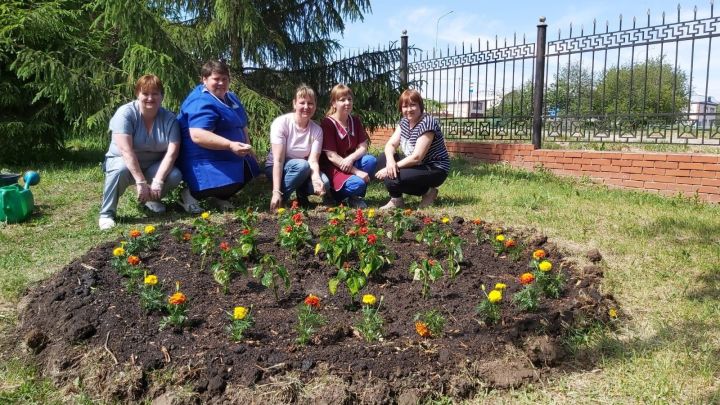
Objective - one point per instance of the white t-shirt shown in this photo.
(299, 142)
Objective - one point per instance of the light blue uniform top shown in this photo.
(149, 148)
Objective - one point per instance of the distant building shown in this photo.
(704, 112)
(465, 109)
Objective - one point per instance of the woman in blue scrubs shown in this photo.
(216, 158)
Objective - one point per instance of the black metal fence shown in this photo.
(641, 83)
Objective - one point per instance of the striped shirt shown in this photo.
(437, 155)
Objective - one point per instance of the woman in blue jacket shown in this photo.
(216, 157)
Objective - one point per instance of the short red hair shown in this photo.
(149, 83)
(413, 96)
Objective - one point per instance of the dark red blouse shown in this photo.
(343, 146)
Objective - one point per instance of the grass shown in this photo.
(661, 263)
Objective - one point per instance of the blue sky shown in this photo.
(471, 20)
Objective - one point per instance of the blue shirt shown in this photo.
(204, 168)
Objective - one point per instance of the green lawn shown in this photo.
(661, 263)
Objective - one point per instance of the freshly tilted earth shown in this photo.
(87, 332)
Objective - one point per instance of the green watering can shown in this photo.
(16, 203)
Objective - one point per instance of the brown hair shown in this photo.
(304, 91)
(149, 82)
(339, 90)
(214, 66)
(411, 95)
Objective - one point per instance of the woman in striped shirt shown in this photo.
(424, 163)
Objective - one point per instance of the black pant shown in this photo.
(415, 180)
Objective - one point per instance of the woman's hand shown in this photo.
(156, 189)
(318, 186)
(275, 202)
(346, 164)
(241, 149)
(143, 192)
(363, 175)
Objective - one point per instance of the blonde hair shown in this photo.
(338, 91)
(304, 91)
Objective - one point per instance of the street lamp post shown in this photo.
(437, 27)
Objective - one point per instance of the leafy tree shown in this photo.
(652, 88)
(68, 64)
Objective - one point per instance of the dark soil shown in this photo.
(85, 329)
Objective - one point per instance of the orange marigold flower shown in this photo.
(177, 298)
(135, 233)
(477, 221)
(407, 212)
(526, 278)
(539, 254)
(432, 262)
(313, 301)
(372, 238)
(133, 260)
(245, 232)
(224, 246)
(510, 243)
(186, 236)
(422, 329)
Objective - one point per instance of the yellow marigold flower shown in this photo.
(500, 238)
(239, 313)
(371, 213)
(369, 299)
(205, 215)
(445, 220)
(149, 229)
(500, 286)
(612, 312)
(494, 296)
(545, 266)
(280, 211)
(118, 251)
(317, 249)
(151, 279)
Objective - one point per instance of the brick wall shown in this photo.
(665, 173)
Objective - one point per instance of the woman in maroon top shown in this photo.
(345, 161)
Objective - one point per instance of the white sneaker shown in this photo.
(189, 203)
(155, 206)
(106, 223)
(394, 203)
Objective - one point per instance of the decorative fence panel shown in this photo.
(646, 83)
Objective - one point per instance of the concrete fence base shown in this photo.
(689, 174)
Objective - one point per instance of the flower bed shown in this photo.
(385, 305)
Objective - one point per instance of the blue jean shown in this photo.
(118, 178)
(296, 178)
(355, 186)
